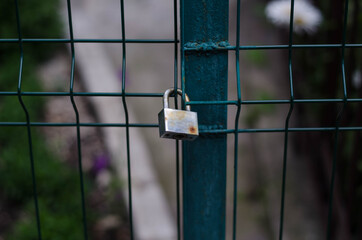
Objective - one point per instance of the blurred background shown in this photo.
(317, 74)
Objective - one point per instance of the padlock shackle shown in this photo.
(168, 93)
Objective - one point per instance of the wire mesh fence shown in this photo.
(182, 48)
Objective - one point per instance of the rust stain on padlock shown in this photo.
(192, 130)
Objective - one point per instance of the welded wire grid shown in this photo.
(123, 95)
(239, 102)
(291, 102)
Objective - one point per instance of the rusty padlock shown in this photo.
(177, 124)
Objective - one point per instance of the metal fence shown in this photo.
(203, 45)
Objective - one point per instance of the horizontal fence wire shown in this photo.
(238, 103)
(83, 40)
(169, 41)
(154, 125)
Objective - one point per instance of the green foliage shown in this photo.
(257, 58)
(38, 19)
(58, 185)
(58, 190)
(57, 224)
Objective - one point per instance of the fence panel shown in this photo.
(204, 48)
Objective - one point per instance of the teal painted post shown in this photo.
(204, 78)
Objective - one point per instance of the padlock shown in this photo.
(177, 124)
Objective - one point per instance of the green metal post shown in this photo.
(204, 78)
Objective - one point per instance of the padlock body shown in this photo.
(178, 124)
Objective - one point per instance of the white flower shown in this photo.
(357, 79)
(307, 18)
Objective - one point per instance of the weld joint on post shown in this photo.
(206, 46)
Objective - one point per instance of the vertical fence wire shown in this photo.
(177, 142)
(237, 117)
(28, 126)
(130, 205)
(337, 124)
(286, 133)
(79, 144)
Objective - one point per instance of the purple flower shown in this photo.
(100, 162)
